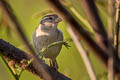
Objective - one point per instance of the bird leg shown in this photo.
(57, 43)
(53, 63)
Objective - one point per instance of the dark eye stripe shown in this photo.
(49, 18)
(45, 18)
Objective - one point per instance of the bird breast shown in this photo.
(44, 38)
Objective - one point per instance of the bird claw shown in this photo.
(66, 44)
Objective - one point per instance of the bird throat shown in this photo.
(48, 26)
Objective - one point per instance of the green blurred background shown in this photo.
(69, 60)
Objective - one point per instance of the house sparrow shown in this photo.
(47, 33)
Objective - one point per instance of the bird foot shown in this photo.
(53, 63)
(54, 68)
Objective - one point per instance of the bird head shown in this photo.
(50, 20)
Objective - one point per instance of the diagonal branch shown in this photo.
(94, 19)
(83, 54)
(98, 27)
(117, 23)
(111, 75)
(6, 8)
(82, 34)
(111, 18)
(12, 53)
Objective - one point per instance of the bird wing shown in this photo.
(60, 36)
(39, 42)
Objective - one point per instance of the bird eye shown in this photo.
(51, 18)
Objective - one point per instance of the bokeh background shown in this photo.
(69, 60)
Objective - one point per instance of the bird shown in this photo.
(46, 33)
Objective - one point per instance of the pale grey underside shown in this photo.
(43, 38)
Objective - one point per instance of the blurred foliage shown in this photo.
(29, 13)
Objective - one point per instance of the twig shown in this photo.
(81, 19)
(12, 53)
(97, 25)
(116, 35)
(111, 75)
(83, 54)
(116, 29)
(9, 13)
(101, 35)
(82, 34)
(111, 18)
(110, 24)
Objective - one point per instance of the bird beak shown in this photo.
(58, 20)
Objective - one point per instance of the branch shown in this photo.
(111, 75)
(100, 33)
(12, 53)
(8, 12)
(97, 25)
(116, 35)
(111, 18)
(83, 54)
